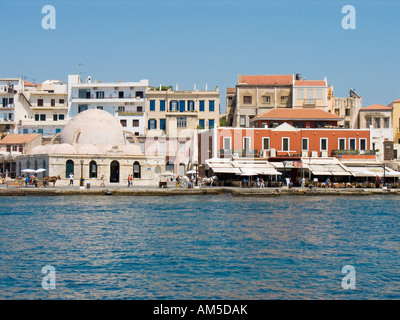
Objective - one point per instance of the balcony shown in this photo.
(353, 153)
(105, 97)
(227, 153)
(309, 102)
(7, 107)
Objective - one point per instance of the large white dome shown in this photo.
(93, 126)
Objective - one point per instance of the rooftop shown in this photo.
(19, 138)
(297, 114)
(266, 79)
(310, 83)
(377, 107)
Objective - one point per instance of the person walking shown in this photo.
(71, 179)
(102, 181)
(129, 180)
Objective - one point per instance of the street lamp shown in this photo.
(81, 181)
(384, 174)
(196, 165)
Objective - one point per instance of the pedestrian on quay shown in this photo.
(102, 181)
(71, 179)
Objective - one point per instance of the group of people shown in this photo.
(130, 180)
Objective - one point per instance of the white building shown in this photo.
(9, 90)
(124, 100)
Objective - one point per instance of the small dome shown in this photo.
(63, 148)
(38, 150)
(87, 149)
(93, 126)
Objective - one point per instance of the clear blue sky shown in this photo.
(201, 42)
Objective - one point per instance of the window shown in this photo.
(60, 117)
(324, 144)
(92, 169)
(142, 146)
(169, 166)
(123, 122)
(161, 148)
(181, 122)
(363, 144)
(25, 131)
(53, 102)
(152, 105)
(190, 105)
(61, 101)
(368, 121)
(139, 94)
(84, 93)
(173, 105)
(246, 143)
(100, 107)
(300, 94)
(162, 105)
(266, 99)
(201, 105)
(202, 123)
(36, 117)
(162, 124)
(320, 94)
(82, 107)
(227, 143)
(120, 94)
(342, 144)
(210, 123)
(42, 117)
(137, 174)
(139, 109)
(285, 144)
(100, 95)
(69, 168)
(386, 122)
(347, 112)
(181, 147)
(121, 109)
(247, 99)
(40, 102)
(265, 143)
(284, 99)
(377, 123)
(152, 124)
(304, 144)
(135, 123)
(243, 121)
(211, 105)
(352, 143)
(55, 118)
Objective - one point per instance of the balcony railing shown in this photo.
(94, 96)
(353, 152)
(309, 102)
(225, 153)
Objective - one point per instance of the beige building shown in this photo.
(43, 108)
(93, 144)
(257, 94)
(347, 108)
(310, 94)
(395, 105)
(176, 113)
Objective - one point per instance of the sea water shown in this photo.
(199, 247)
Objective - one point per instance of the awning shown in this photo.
(373, 172)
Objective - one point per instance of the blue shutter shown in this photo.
(182, 105)
(202, 105)
(152, 105)
(162, 124)
(210, 124)
(211, 105)
(201, 123)
(162, 105)
(148, 124)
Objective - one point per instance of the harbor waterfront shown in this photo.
(199, 247)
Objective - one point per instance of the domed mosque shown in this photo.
(94, 144)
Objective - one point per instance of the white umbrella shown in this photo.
(191, 172)
(28, 170)
(167, 174)
(40, 170)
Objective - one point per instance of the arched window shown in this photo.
(92, 169)
(137, 174)
(114, 171)
(36, 167)
(69, 168)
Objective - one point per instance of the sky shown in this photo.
(206, 42)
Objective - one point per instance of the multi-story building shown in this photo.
(256, 94)
(378, 118)
(310, 93)
(348, 108)
(43, 108)
(124, 100)
(173, 117)
(9, 90)
(177, 113)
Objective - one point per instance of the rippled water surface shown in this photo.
(200, 247)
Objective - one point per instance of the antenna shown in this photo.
(79, 69)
